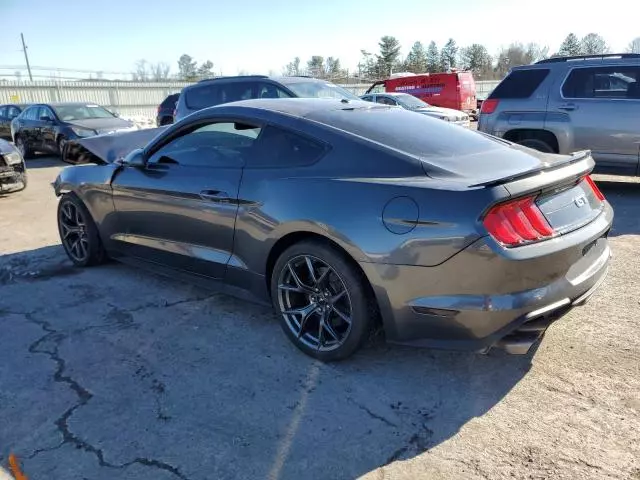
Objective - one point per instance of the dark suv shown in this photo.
(216, 91)
(566, 104)
(166, 109)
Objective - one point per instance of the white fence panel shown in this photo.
(128, 98)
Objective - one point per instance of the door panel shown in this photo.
(47, 130)
(170, 214)
(180, 208)
(603, 113)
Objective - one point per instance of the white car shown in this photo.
(409, 102)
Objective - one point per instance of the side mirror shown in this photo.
(135, 158)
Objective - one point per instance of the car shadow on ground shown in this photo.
(624, 197)
(152, 369)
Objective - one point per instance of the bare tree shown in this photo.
(141, 73)
(634, 46)
(292, 68)
(160, 72)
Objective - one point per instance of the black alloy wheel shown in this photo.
(78, 232)
(321, 300)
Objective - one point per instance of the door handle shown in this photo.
(215, 196)
(568, 106)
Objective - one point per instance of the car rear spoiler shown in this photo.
(581, 162)
(381, 82)
(103, 149)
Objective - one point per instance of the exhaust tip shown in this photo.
(517, 344)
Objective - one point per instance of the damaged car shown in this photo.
(347, 217)
(13, 172)
(47, 128)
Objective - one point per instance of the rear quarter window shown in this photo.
(277, 147)
(520, 83)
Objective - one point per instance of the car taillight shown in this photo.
(489, 105)
(594, 187)
(517, 222)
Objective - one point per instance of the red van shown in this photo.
(455, 90)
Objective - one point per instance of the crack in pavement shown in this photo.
(373, 415)
(420, 441)
(84, 396)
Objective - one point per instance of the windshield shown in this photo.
(411, 102)
(320, 90)
(68, 113)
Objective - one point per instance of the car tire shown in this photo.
(78, 232)
(166, 121)
(23, 148)
(536, 144)
(62, 145)
(337, 289)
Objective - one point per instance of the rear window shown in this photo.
(520, 83)
(407, 131)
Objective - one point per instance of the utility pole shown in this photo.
(26, 57)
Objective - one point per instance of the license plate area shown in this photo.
(571, 207)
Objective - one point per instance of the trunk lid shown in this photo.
(570, 207)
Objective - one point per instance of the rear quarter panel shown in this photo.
(375, 217)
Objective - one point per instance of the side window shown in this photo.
(281, 148)
(32, 113)
(367, 98)
(268, 90)
(603, 82)
(236, 91)
(12, 112)
(215, 145)
(202, 96)
(3, 113)
(386, 101)
(45, 112)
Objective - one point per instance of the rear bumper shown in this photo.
(479, 299)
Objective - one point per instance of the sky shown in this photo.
(256, 36)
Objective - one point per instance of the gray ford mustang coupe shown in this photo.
(348, 216)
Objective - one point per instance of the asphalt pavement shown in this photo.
(114, 373)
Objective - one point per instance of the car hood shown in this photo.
(109, 148)
(6, 147)
(431, 110)
(101, 124)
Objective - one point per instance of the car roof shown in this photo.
(62, 104)
(584, 60)
(391, 94)
(296, 107)
(279, 79)
(21, 105)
